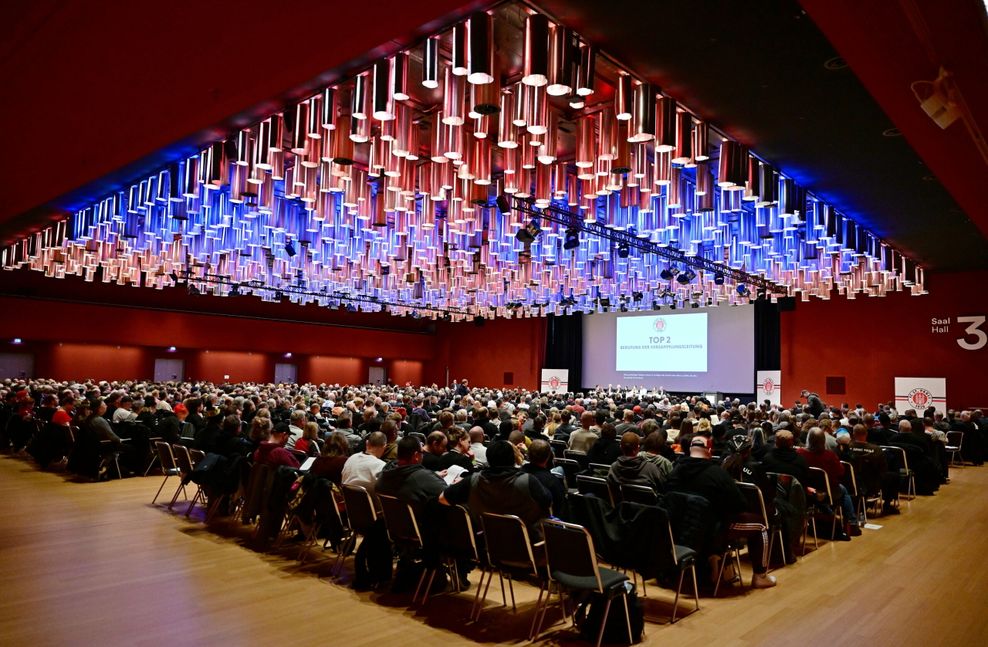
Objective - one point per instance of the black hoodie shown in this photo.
(410, 483)
(708, 479)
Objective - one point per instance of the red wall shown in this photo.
(333, 370)
(97, 361)
(872, 341)
(484, 354)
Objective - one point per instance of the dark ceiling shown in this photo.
(759, 71)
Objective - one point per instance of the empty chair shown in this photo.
(184, 463)
(638, 494)
(955, 444)
(403, 531)
(595, 486)
(572, 565)
(168, 466)
(362, 516)
(511, 554)
(905, 474)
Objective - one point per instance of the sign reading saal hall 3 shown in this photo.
(919, 393)
(970, 330)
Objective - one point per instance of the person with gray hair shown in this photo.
(296, 426)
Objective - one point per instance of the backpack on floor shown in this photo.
(590, 614)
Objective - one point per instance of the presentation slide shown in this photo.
(701, 350)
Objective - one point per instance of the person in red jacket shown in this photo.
(817, 455)
(271, 451)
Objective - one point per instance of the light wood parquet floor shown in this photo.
(96, 564)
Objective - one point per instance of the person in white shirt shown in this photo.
(296, 426)
(477, 446)
(124, 412)
(364, 468)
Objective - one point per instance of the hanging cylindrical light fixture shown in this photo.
(561, 62)
(585, 140)
(485, 99)
(399, 77)
(458, 62)
(623, 97)
(382, 106)
(732, 170)
(537, 117)
(586, 72)
(342, 144)
(216, 174)
(507, 135)
(665, 124)
(358, 97)
(481, 49)
(621, 164)
(684, 139)
(453, 99)
(244, 143)
(536, 73)
(643, 117)
(753, 185)
(769, 184)
(700, 142)
(430, 63)
(299, 140)
(606, 136)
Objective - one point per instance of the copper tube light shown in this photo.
(358, 98)
(753, 186)
(643, 117)
(623, 97)
(546, 153)
(342, 144)
(277, 133)
(561, 63)
(190, 187)
(700, 143)
(216, 174)
(507, 135)
(459, 53)
(299, 139)
(453, 99)
(359, 130)
(536, 72)
(329, 108)
(586, 72)
(665, 124)
(263, 145)
(523, 95)
(481, 162)
(243, 149)
(538, 113)
(585, 140)
(605, 140)
(314, 123)
(769, 184)
(733, 169)
(430, 63)
(684, 139)
(485, 99)
(481, 49)
(382, 105)
(399, 77)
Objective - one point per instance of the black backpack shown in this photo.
(591, 612)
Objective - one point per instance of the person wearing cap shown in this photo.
(170, 423)
(501, 488)
(698, 474)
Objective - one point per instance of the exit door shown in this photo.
(169, 370)
(285, 373)
(376, 375)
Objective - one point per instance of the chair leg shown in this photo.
(511, 587)
(428, 587)
(696, 587)
(627, 618)
(720, 571)
(538, 606)
(418, 587)
(675, 604)
(180, 488)
(500, 579)
(160, 488)
(603, 623)
(475, 610)
(154, 460)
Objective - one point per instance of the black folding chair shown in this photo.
(362, 516)
(572, 564)
(403, 531)
(595, 486)
(638, 494)
(570, 468)
(168, 466)
(511, 554)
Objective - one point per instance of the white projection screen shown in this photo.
(697, 350)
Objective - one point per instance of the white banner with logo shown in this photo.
(769, 387)
(920, 393)
(555, 380)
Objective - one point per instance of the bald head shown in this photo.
(630, 443)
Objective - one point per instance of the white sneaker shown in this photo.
(762, 581)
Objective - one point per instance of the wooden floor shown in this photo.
(95, 564)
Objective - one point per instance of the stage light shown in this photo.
(503, 204)
(16, 340)
(194, 291)
(290, 248)
(529, 232)
(742, 289)
(171, 349)
(687, 276)
(288, 355)
(572, 240)
(718, 279)
(669, 273)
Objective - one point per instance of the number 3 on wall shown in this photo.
(974, 329)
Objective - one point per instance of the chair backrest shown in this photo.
(569, 551)
(508, 545)
(955, 439)
(639, 494)
(756, 502)
(458, 537)
(570, 468)
(558, 447)
(817, 479)
(182, 458)
(900, 453)
(599, 467)
(595, 486)
(165, 456)
(850, 480)
(359, 507)
(400, 521)
(256, 491)
(579, 457)
(196, 455)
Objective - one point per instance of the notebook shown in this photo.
(307, 464)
